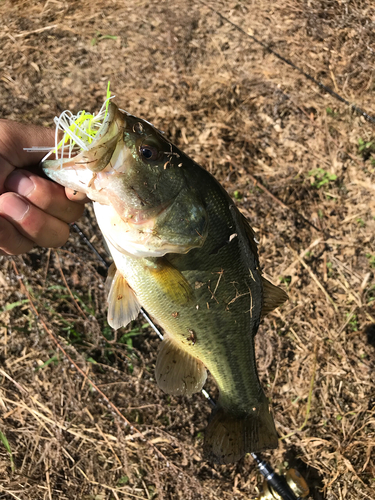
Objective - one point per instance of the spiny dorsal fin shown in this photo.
(171, 281)
(123, 305)
(250, 236)
(273, 296)
(177, 372)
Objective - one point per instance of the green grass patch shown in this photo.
(361, 222)
(364, 146)
(98, 37)
(123, 480)
(366, 150)
(127, 338)
(353, 322)
(285, 279)
(321, 178)
(13, 305)
(5, 442)
(54, 360)
(371, 260)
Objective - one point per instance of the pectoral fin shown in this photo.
(123, 305)
(171, 281)
(177, 372)
(273, 297)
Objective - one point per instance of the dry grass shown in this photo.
(245, 116)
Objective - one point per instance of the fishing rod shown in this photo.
(275, 487)
(290, 487)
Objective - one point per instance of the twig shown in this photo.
(9, 493)
(48, 482)
(279, 202)
(260, 185)
(265, 190)
(309, 397)
(19, 387)
(111, 488)
(345, 324)
(39, 30)
(326, 133)
(310, 271)
(103, 435)
(46, 268)
(302, 255)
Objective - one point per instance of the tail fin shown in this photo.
(229, 437)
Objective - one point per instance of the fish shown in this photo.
(183, 251)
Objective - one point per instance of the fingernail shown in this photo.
(19, 183)
(13, 206)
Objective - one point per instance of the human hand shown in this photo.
(33, 210)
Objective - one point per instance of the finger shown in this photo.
(12, 242)
(76, 196)
(44, 194)
(5, 169)
(36, 225)
(14, 137)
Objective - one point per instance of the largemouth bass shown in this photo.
(183, 251)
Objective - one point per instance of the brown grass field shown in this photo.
(301, 167)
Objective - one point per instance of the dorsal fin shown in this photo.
(123, 305)
(273, 296)
(246, 236)
(177, 372)
(250, 236)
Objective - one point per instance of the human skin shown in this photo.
(33, 210)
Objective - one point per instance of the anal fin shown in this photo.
(177, 372)
(123, 305)
(273, 297)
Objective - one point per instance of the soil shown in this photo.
(300, 165)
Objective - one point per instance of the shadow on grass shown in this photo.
(369, 331)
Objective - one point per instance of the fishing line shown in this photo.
(89, 244)
(276, 481)
(327, 89)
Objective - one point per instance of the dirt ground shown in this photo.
(301, 167)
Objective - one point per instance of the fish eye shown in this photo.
(149, 152)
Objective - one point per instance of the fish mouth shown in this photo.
(91, 146)
(84, 162)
